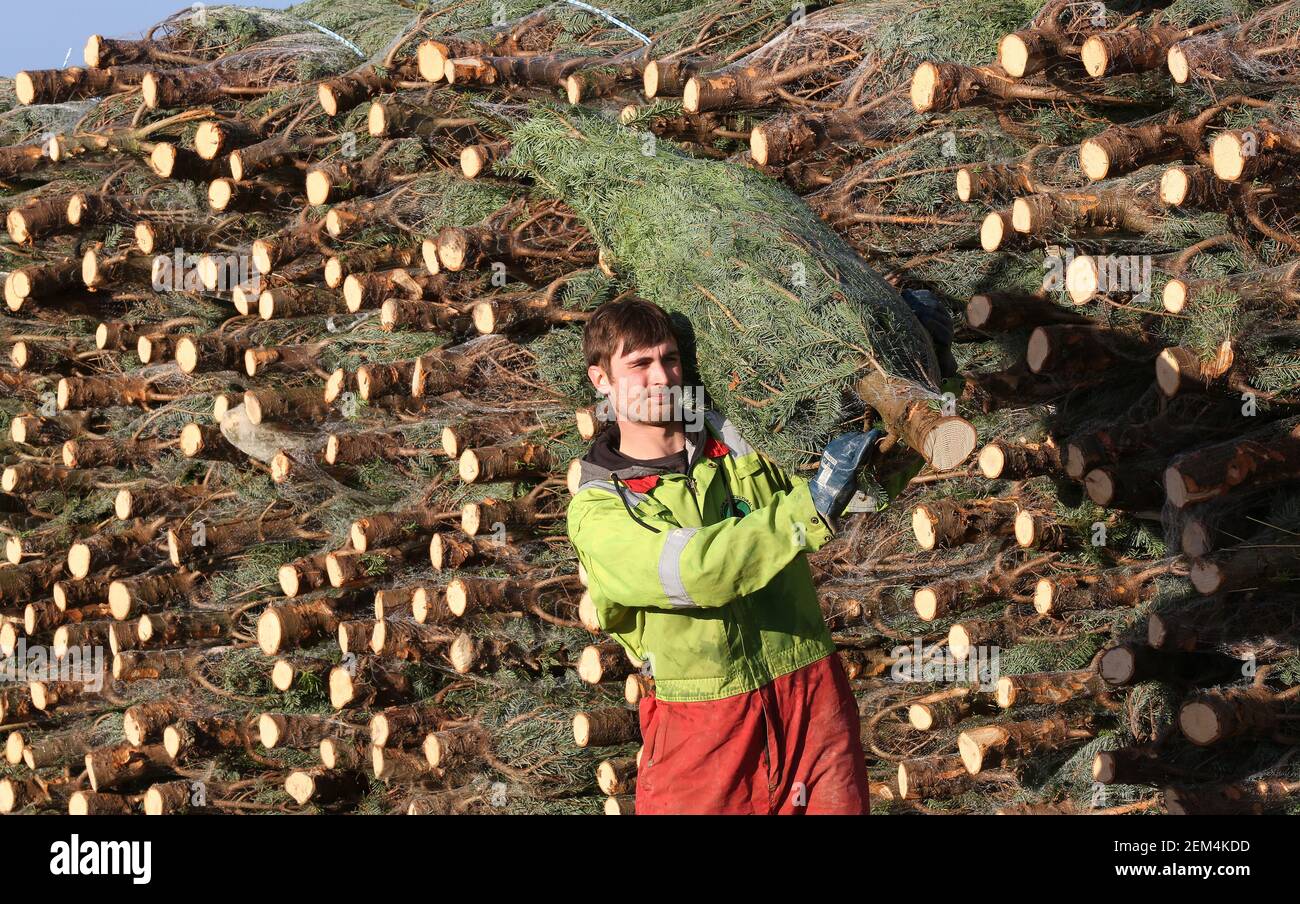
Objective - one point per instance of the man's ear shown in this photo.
(596, 374)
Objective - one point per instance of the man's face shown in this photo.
(643, 384)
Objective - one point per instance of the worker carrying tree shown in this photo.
(694, 544)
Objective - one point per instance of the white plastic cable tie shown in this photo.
(338, 37)
(609, 18)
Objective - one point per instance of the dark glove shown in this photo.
(937, 321)
(837, 479)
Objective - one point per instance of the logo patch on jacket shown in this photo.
(741, 508)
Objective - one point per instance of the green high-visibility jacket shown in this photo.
(706, 581)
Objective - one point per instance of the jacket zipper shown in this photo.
(690, 485)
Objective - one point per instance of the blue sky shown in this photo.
(38, 34)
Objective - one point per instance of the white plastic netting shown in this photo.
(37, 123)
(1264, 49)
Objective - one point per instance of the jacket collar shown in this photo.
(713, 435)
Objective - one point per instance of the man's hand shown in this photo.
(937, 322)
(837, 479)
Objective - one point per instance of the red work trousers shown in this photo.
(790, 747)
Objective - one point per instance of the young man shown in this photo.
(694, 544)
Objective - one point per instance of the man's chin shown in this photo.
(663, 421)
(653, 414)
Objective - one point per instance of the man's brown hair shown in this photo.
(633, 322)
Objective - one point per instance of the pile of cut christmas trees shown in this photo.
(293, 389)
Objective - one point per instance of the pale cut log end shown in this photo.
(1179, 68)
(1199, 723)
(485, 318)
(282, 674)
(207, 139)
(471, 518)
(353, 293)
(959, 642)
(319, 185)
(1095, 57)
(24, 88)
(1022, 216)
(949, 442)
(119, 600)
(1169, 372)
(377, 120)
(758, 145)
(263, 255)
(79, 560)
(341, 687)
(1094, 160)
(691, 95)
(1038, 349)
(650, 79)
(1196, 538)
(920, 716)
(923, 527)
(993, 231)
(589, 668)
(573, 90)
(162, 159)
(1174, 296)
(926, 603)
(1228, 156)
(581, 729)
(431, 60)
(1004, 693)
(453, 249)
(468, 466)
(1117, 666)
(1174, 185)
(925, 82)
(270, 632)
(220, 193)
(1103, 767)
(1157, 631)
(1025, 529)
(327, 99)
(992, 460)
(300, 786)
(1206, 577)
(1175, 488)
(1013, 55)
(1044, 594)
(963, 184)
(461, 653)
(289, 580)
(457, 596)
(587, 613)
(972, 757)
(1100, 486)
(429, 254)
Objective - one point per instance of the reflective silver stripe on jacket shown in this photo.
(670, 567)
(636, 498)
